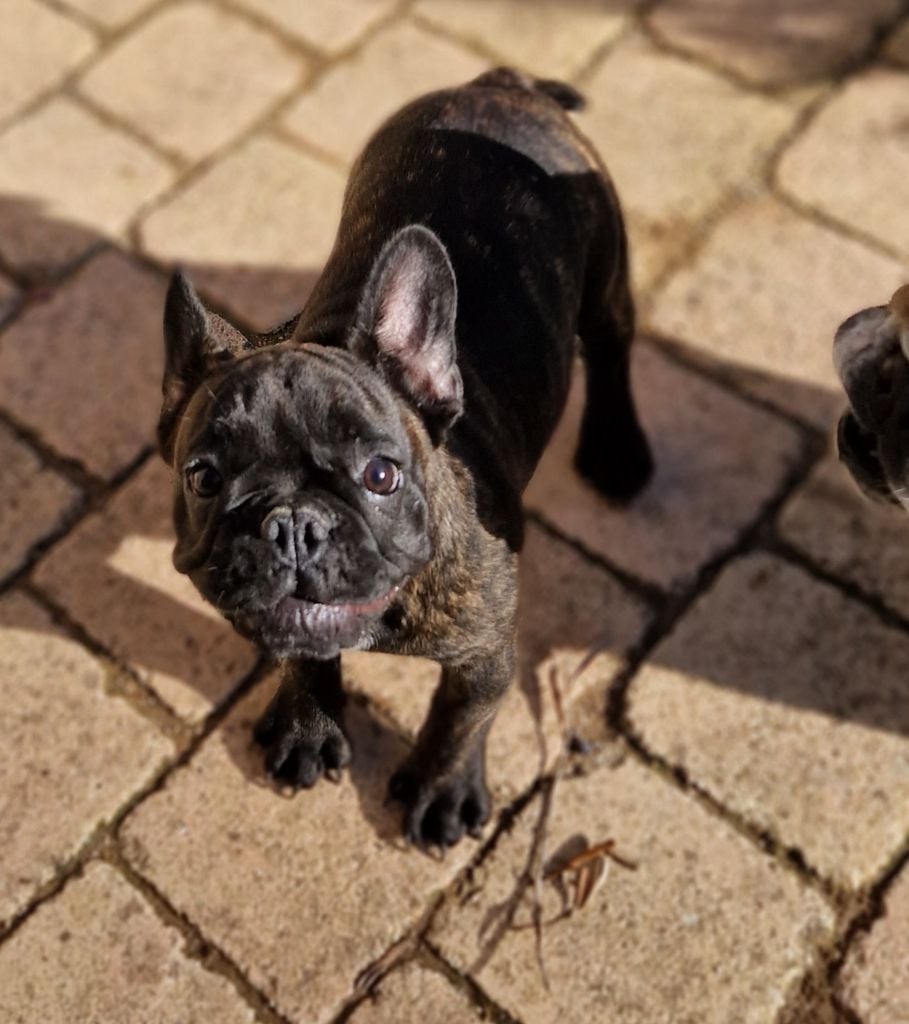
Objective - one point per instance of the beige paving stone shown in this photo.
(570, 610)
(83, 369)
(676, 139)
(110, 14)
(706, 930)
(414, 995)
(875, 978)
(763, 299)
(99, 953)
(856, 539)
(351, 100)
(776, 42)
(253, 231)
(38, 48)
(66, 180)
(36, 501)
(552, 40)
(703, 494)
(193, 78)
(71, 755)
(328, 25)
(898, 45)
(852, 162)
(787, 702)
(114, 576)
(302, 892)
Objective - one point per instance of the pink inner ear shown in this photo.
(401, 325)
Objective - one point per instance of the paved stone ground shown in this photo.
(733, 650)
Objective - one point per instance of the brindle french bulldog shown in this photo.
(353, 479)
(871, 353)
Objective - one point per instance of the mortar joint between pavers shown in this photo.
(196, 945)
(433, 960)
(781, 548)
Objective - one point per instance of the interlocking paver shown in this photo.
(776, 42)
(787, 702)
(254, 231)
(83, 368)
(114, 576)
(352, 99)
(38, 48)
(765, 296)
(677, 139)
(553, 40)
(707, 929)
(110, 14)
(71, 755)
(856, 539)
(36, 501)
(852, 163)
(193, 78)
(568, 610)
(67, 179)
(98, 952)
(328, 25)
(703, 494)
(414, 995)
(301, 892)
(875, 978)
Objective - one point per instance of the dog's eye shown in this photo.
(204, 480)
(381, 476)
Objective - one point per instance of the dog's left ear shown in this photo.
(406, 325)
(195, 342)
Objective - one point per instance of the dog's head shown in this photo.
(871, 352)
(300, 469)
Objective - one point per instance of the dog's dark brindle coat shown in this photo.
(354, 479)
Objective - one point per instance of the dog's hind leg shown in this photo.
(613, 452)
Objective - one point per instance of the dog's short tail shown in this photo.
(567, 97)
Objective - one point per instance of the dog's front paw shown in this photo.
(439, 810)
(301, 745)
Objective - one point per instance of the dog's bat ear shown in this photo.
(406, 325)
(872, 365)
(195, 341)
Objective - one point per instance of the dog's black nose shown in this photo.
(278, 529)
(297, 534)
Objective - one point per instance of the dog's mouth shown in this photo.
(300, 625)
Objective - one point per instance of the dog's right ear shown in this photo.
(195, 341)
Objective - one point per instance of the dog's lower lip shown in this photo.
(290, 604)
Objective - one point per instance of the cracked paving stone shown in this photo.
(737, 306)
(850, 536)
(703, 495)
(113, 574)
(71, 757)
(74, 375)
(787, 702)
(576, 624)
(99, 953)
(706, 930)
(875, 977)
(852, 162)
(301, 891)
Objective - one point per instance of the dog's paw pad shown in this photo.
(299, 756)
